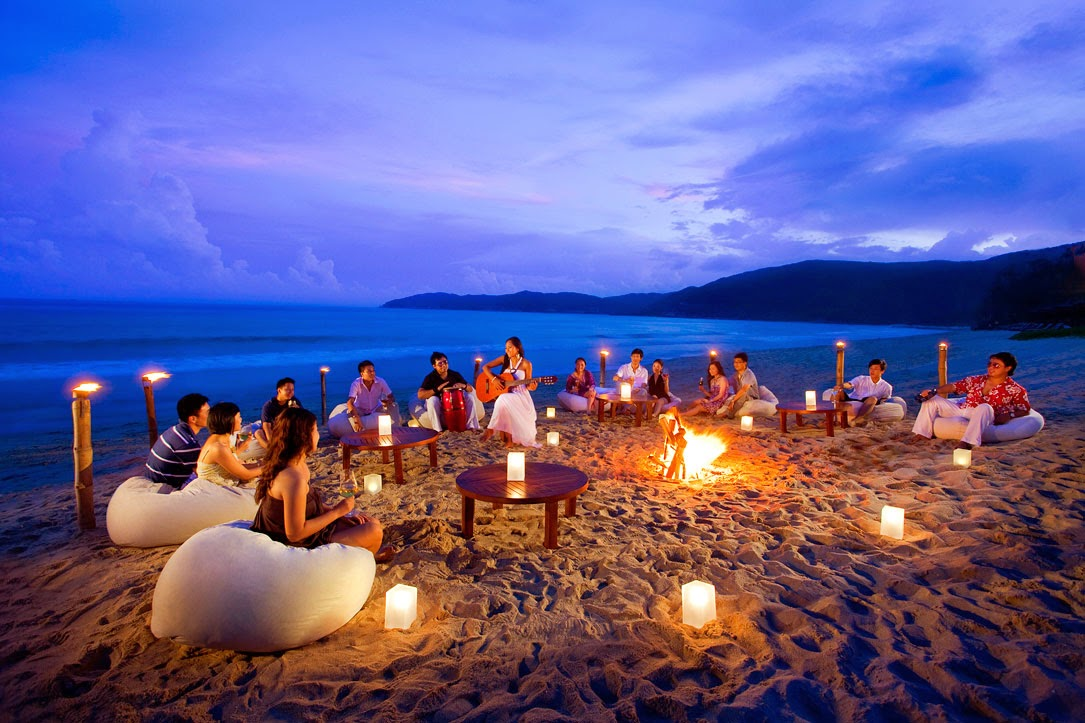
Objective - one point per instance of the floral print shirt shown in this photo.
(1009, 397)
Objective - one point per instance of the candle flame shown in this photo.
(87, 387)
(155, 376)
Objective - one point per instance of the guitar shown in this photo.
(488, 390)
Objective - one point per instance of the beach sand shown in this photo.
(978, 613)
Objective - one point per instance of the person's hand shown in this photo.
(344, 506)
(1003, 418)
(499, 382)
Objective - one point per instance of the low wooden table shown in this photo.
(544, 483)
(829, 409)
(639, 400)
(401, 438)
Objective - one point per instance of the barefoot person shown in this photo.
(291, 511)
(284, 399)
(716, 394)
(579, 394)
(514, 411)
(871, 390)
(659, 388)
(633, 373)
(217, 462)
(440, 379)
(369, 397)
(991, 398)
(744, 384)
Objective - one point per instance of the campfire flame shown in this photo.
(686, 453)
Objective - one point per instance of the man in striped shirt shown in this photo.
(173, 457)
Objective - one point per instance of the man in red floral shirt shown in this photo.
(991, 398)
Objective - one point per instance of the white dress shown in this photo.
(514, 412)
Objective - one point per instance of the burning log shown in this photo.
(674, 444)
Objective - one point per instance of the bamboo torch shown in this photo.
(840, 370)
(148, 396)
(603, 366)
(943, 364)
(324, 395)
(83, 455)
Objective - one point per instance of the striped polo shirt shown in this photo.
(173, 457)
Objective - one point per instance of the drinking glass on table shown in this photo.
(348, 485)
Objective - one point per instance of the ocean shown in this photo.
(236, 353)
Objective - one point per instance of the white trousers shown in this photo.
(979, 418)
(372, 421)
(436, 411)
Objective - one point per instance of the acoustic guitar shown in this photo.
(488, 389)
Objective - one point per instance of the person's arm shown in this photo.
(226, 459)
(294, 487)
(387, 398)
(721, 390)
(571, 385)
(495, 378)
(527, 375)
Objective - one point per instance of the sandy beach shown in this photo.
(978, 613)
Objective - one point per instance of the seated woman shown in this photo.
(514, 411)
(659, 387)
(291, 511)
(715, 395)
(579, 394)
(744, 386)
(217, 462)
(991, 398)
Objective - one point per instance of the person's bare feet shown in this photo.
(916, 439)
(385, 554)
(487, 435)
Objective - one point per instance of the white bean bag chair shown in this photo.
(1016, 428)
(573, 402)
(765, 406)
(891, 410)
(143, 513)
(339, 422)
(233, 589)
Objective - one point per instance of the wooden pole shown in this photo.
(323, 395)
(943, 364)
(840, 370)
(478, 366)
(152, 417)
(83, 455)
(712, 356)
(603, 368)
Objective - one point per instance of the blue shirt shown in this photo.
(173, 457)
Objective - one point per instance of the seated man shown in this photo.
(173, 457)
(284, 399)
(991, 398)
(633, 373)
(871, 390)
(370, 396)
(744, 382)
(437, 381)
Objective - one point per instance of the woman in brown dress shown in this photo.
(290, 510)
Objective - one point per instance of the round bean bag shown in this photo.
(339, 422)
(891, 410)
(1017, 428)
(231, 588)
(143, 513)
(765, 406)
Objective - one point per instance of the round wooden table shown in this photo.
(829, 409)
(544, 483)
(401, 438)
(639, 399)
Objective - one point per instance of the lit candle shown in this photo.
(943, 364)
(372, 483)
(962, 457)
(839, 363)
(516, 463)
(400, 607)
(893, 522)
(627, 390)
(384, 424)
(811, 398)
(698, 603)
(552, 439)
(747, 423)
(551, 412)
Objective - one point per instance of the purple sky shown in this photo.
(356, 152)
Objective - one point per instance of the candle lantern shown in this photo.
(962, 457)
(516, 464)
(400, 607)
(698, 603)
(372, 484)
(626, 391)
(83, 455)
(893, 522)
(811, 398)
(747, 423)
(551, 412)
(552, 439)
(943, 364)
(603, 366)
(384, 424)
(148, 396)
(324, 395)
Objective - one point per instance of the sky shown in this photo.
(355, 152)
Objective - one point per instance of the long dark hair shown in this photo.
(519, 347)
(291, 437)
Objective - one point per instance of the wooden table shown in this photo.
(639, 400)
(544, 483)
(829, 409)
(401, 438)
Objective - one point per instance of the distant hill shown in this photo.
(1039, 287)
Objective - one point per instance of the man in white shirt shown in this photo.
(871, 390)
(370, 396)
(633, 373)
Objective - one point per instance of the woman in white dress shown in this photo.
(514, 410)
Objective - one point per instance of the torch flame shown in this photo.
(87, 387)
(155, 376)
(325, 370)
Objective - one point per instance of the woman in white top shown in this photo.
(514, 410)
(217, 462)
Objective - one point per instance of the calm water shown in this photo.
(237, 353)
